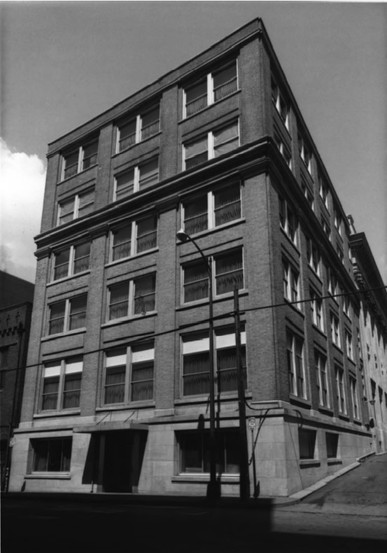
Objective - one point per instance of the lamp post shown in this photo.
(213, 489)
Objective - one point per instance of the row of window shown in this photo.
(297, 378)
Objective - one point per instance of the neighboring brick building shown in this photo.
(373, 330)
(16, 297)
(117, 399)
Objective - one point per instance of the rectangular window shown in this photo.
(67, 315)
(194, 448)
(326, 228)
(212, 209)
(196, 362)
(308, 193)
(307, 443)
(316, 310)
(348, 344)
(51, 455)
(291, 280)
(295, 362)
(338, 222)
(133, 238)
(305, 153)
(324, 192)
(210, 88)
(284, 149)
(79, 159)
(332, 443)
(129, 374)
(354, 398)
(71, 261)
(332, 283)
(75, 207)
(211, 145)
(136, 178)
(313, 256)
(279, 102)
(340, 390)
(288, 220)
(137, 128)
(335, 330)
(62, 384)
(322, 379)
(132, 297)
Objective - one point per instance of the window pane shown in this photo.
(150, 123)
(90, 154)
(57, 314)
(195, 282)
(52, 455)
(119, 300)
(50, 393)
(66, 211)
(61, 269)
(72, 390)
(227, 205)
(196, 97)
(115, 384)
(146, 234)
(195, 215)
(71, 164)
(225, 81)
(78, 312)
(196, 152)
(196, 376)
(226, 139)
(81, 257)
(149, 173)
(142, 381)
(227, 367)
(144, 295)
(122, 242)
(229, 272)
(124, 184)
(86, 202)
(192, 454)
(127, 135)
(307, 440)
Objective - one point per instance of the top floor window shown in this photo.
(210, 88)
(279, 102)
(211, 145)
(305, 153)
(324, 192)
(79, 159)
(288, 220)
(137, 128)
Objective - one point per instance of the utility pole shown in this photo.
(244, 455)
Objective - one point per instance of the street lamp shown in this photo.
(213, 489)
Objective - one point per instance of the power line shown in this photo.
(146, 337)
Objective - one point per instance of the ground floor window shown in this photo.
(51, 455)
(332, 442)
(307, 443)
(194, 449)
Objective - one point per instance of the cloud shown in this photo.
(21, 200)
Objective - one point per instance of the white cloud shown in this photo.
(21, 200)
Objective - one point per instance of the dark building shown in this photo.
(15, 318)
(117, 396)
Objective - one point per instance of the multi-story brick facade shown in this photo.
(116, 398)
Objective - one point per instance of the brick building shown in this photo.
(117, 399)
(16, 297)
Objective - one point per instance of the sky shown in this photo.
(63, 63)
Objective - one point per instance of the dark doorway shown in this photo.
(117, 466)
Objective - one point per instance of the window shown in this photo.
(211, 210)
(62, 384)
(71, 261)
(136, 178)
(79, 159)
(75, 207)
(326, 228)
(321, 378)
(210, 88)
(227, 270)
(313, 256)
(316, 310)
(129, 374)
(279, 102)
(211, 145)
(347, 306)
(295, 361)
(4, 353)
(305, 153)
(348, 344)
(196, 362)
(308, 193)
(284, 149)
(335, 330)
(132, 297)
(291, 280)
(332, 283)
(307, 443)
(338, 222)
(194, 448)
(66, 315)
(340, 253)
(51, 455)
(134, 238)
(355, 403)
(137, 128)
(324, 192)
(340, 390)
(288, 220)
(332, 442)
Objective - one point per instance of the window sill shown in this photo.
(199, 478)
(315, 273)
(300, 401)
(326, 410)
(189, 117)
(65, 279)
(334, 461)
(80, 173)
(150, 404)
(203, 398)
(319, 330)
(338, 348)
(123, 320)
(63, 334)
(48, 476)
(205, 301)
(343, 417)
(309, 463)
(132, 146)
(130, 258)
(62, 413)
(208, 231)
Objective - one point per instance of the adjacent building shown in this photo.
(116, 397)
